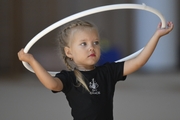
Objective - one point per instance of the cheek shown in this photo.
(78, 51)
(98, 52)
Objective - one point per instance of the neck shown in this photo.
(86, 68)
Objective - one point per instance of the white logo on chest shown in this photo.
(93, 85)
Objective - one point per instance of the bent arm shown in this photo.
(45, 78)
(136, 63)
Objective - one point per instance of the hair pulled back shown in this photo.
(64, 39)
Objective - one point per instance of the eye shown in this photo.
(96, 43)
(83, 44)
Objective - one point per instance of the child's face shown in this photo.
(84, 48)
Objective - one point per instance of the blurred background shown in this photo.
(151, 93)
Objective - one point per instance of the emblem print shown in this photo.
(93, 85)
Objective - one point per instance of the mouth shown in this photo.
(92, 55)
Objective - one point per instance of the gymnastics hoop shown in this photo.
(86, 13)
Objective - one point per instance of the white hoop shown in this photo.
(86, 13)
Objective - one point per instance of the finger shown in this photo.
(20, 53)
(22, 49)
(170, 25)
(159, 25)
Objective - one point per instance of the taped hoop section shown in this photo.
(86, 13)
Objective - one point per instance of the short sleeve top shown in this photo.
(98, 103)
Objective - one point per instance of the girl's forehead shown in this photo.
(83, 29)
(80, 32)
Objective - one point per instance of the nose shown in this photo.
(91, 47)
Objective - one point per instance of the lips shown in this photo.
(92, 55)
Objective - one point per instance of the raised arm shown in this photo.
(45, 78)
(134, 64)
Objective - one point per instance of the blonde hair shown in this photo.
(64, 39)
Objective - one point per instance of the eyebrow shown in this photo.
(84, 40)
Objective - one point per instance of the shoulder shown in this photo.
(112, 65)
(64, 73)
(115, 70)
(67, 78)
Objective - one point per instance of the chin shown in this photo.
(92, 63)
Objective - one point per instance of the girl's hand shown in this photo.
(163, 31)
(26, 57)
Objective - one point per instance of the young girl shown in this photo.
(89, 89)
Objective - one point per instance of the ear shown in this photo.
(67, 51)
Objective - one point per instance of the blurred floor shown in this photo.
(143, 96)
